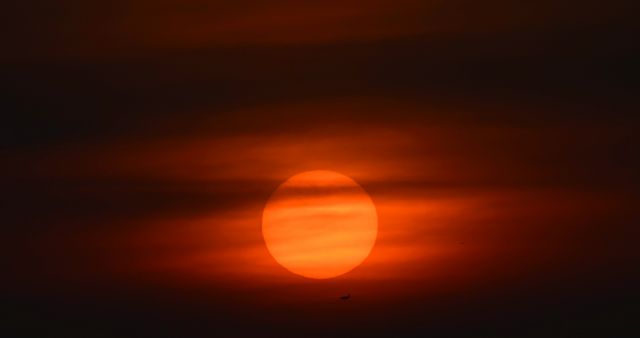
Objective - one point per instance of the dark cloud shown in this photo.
(141, 139)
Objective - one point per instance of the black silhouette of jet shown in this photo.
(345, 297)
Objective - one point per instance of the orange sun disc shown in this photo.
(320, 224)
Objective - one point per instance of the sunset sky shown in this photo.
(141, 141)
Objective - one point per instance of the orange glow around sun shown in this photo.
(320, 224)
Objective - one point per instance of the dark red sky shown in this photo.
(141, 140)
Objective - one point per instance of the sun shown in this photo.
(320, 224)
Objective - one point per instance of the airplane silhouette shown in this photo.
(345, 297)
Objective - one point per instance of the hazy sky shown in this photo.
(142, 139)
